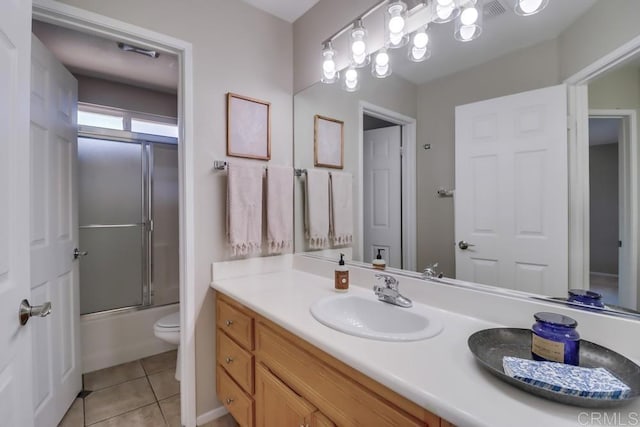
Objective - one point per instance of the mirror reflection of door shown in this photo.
(382, 190)
(511, 201)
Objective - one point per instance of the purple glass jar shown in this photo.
(584, 297)
(555, 339)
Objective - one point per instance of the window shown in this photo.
(114, 118)
(100, 120)
(154, 128)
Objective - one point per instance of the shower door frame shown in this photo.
(146, 142)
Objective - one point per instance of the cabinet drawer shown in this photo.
(238, 325)
(235, 360)
(343, 400)
(234, 399)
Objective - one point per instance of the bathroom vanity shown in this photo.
(277, 365)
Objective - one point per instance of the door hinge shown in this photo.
(619, 243)
(401, 151)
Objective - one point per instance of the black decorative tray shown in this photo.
(489, 346)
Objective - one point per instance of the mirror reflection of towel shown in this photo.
(316, 209)
(341, 208)
(244, 208)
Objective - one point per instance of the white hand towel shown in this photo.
(279, 208)
(244, 208)
(316, 209)
(341, 203)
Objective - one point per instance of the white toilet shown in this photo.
(168, 329)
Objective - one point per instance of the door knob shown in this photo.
(77, 253)
(464, 245)
(27, 311)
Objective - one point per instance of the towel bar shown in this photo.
(221, 165)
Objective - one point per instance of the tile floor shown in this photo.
(143, 393)
(607, 286)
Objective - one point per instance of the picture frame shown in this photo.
(248, 127)
(328, 142)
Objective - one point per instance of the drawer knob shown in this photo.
(228, 360)
(229, 322)
(229, 401)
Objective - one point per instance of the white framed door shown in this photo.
(54, 236)
(511, 200)
(382, 190)
(16, 407)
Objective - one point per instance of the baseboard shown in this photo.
(214, 414)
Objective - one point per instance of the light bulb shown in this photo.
(444, 12)
(417, 54)
(396, 39)
(396, 24)
(382, 59)
(469, 16)
(420, 40)
(358, 47)
(530, 6)
(467, 32)
(329, 71)
(351, 75)
(445, 2)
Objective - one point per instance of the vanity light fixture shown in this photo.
(358, 37)
(351, 82)
(330, 72)
(469, 24)
(395, 22)
(381, 66)
(529, 7)
(468, 16)
(444, 10)
(419, 49)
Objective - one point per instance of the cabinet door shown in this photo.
(277, 405)
(319, 420)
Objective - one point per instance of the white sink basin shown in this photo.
(370, 318)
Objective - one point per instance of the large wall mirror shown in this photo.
(464, 160)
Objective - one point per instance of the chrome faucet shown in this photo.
(389, 293)
(430, 272)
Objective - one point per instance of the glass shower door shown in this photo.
(112, 224)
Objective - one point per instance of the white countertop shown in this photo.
(439, 374)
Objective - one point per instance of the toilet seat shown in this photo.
(168, 323)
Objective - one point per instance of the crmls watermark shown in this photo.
(609, 419)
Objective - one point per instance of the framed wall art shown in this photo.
(248, 127)
(328, 142)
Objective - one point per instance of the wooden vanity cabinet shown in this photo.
(269, 377)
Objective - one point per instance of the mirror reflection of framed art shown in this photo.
(328, 139)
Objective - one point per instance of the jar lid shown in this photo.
(583, 293)
(556, 319)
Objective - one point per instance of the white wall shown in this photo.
(395, 94)
(236, 48)
(120, 95)
(603, 28)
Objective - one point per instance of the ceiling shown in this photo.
(501, 34)
(93, 56)
(603, 131)
(289, 10)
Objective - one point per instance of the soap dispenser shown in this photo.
(379, 263)
(341, 276)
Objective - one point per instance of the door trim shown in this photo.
(628, 169)
(79, 19)
(409, 248)
(578, 102)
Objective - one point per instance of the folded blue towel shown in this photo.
(595, 383)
